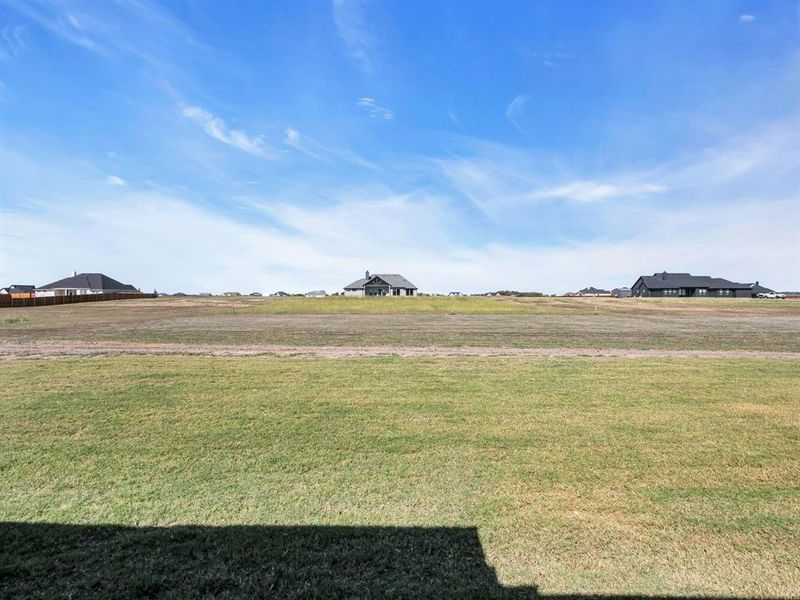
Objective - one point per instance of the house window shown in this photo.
(675, 292)
(396, 292)
(701, 292)
(409, 292)
(723, 292)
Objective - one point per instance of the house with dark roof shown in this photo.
(381, 284)
(685, 285)
(79, 284)
(621, 292)
(18, 288)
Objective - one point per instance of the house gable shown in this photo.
(376, 281)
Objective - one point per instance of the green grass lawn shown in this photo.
(218, 477)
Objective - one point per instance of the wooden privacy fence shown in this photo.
(10, 301)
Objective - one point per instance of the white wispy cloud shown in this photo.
(143, 30)
(115, 180)
(514, 110)
(12, 43)
(746, 18)
(217, 129)
(54, 19)
(593, 191)
(315, 149)
(151, 241)
(302, 144)
(150, 238)
(453, 116)
(500, 178)
(374, 110)
(351, 24)
(549, 58)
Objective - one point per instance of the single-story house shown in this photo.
(18, 288)
(381, 284)
(621, 292)
(685, 285)
(316, 294)
(593, 291)
(79, 284)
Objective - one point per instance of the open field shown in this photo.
(653, 476)
(407, 448)
(679, 324)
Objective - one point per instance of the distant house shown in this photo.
(621, 292)
(18, 289)
(685, 285)
(381, 284)
(593, 291)
(79, 284)
(232, 294)
(756, 289)
(316, 294)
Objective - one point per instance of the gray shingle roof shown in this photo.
(90, 281)
(19, 288)
(661, 281)
(757, 288)
(393, 279)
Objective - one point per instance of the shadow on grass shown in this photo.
(40, 560)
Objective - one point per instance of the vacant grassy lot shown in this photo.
(699, 324)
(670, 476)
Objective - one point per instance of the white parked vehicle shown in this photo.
(771, 295)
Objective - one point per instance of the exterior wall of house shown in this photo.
(64, 292)
(644, 292)
(361, 293)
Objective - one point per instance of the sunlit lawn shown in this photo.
(670, 476)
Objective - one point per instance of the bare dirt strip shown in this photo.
(55, 349)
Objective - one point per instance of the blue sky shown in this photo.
(207, 146)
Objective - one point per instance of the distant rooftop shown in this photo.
(664, 280)
(89, 281)
(393, 279)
